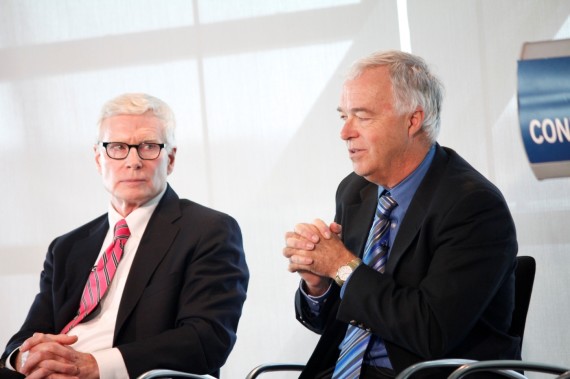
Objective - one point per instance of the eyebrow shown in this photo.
(354, 110)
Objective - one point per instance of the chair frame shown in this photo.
(272, 367)
(493, 365)
(162, 373)
(456, 363)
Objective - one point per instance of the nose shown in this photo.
(348, 130)
(133, 159)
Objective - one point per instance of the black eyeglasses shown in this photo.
(145, 150)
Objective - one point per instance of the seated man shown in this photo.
(157, 282)
(419, 263)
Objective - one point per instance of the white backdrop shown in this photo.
(255, 85)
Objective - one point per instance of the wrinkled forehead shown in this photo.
(143, 127)
(368, 91)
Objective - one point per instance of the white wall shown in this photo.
(255, 85)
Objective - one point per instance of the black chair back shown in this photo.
(524, 280)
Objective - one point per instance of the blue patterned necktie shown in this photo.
(356, 340)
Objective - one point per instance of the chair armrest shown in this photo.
(270, 367)
(161, 373)
(442, 363)
(495, 365)
(407, 373)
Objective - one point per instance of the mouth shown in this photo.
(133, 181)
(354, 151)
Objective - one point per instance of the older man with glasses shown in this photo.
(162, 288)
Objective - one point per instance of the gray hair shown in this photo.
(137, 104)
(413, 85)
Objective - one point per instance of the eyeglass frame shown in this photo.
(160, 145)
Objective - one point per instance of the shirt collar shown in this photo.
(405, 190)
(137, 219)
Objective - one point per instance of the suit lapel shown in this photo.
(417, 210)
(82, 257)
(155, 244)
(359, 218)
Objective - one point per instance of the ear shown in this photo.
(171, 159)
(97, 157)
(416, 121)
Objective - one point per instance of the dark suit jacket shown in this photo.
(448, 288)
(183, 296)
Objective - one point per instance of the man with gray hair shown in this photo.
(157, 282)
(419, 261)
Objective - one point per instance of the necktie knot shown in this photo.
(386, 204)
(121, 230)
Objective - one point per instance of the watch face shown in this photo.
(344, 272)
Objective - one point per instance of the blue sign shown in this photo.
(544, 109)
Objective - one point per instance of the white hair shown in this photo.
(413, 85)
(139, 103)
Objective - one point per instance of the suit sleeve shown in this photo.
(59, 293)
(450, 278)
(316, 322)
(40, 317)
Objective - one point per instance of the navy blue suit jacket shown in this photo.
(183, 296)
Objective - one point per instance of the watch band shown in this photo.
(345, 270)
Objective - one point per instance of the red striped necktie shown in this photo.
(101, 275)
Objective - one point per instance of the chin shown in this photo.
(359, 170)
(135, 196)
(366, 174)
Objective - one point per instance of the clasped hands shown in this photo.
(315, 251)
(50, 356)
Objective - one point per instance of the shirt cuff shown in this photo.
(111, 364)
(343, 288)
(314, 302)
(9, 359)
